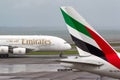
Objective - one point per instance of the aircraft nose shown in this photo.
(68, 46)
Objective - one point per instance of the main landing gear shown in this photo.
(61, 54)
(64, 70)
(4, 55)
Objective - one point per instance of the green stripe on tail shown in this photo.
(75, 24)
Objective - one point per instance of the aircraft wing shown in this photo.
(81, 61)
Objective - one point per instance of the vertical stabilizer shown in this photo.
(87, 40)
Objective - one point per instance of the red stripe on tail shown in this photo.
(109, 52)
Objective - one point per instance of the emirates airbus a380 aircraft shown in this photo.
(95, 54)
(18, 44)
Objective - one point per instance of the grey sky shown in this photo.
(103, 14)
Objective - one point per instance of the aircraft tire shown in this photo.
(4, 55)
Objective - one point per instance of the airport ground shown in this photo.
(41, 67)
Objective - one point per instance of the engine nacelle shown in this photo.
(19, 50)
(4, 49)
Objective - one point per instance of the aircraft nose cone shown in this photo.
(68, 46)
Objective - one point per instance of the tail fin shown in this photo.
(87, 39)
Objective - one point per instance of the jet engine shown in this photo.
(4, 49)
(19, 51)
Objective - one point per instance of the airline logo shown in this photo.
(87, 39)
(36, 42)
(31, 41)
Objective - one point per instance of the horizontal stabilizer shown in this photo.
(80, 61)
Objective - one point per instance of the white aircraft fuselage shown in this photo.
(19, 44)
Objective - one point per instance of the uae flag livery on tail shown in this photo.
(86, 39)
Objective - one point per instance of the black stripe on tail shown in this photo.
(88, 48)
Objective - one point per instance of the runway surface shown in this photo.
(39, 68)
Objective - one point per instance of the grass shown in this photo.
(70, 52)
(53, 53)
(118, 50)
(115, 44)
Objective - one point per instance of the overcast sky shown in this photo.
(102, 14)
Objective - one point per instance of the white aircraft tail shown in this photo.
(86, 39)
